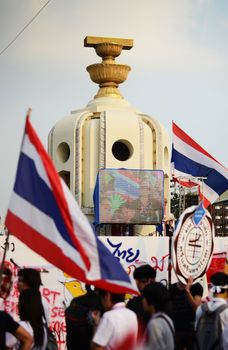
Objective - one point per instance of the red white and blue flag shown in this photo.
(191, 161)
(44, 215)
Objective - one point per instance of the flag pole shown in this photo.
(4, 253)
(170, 262)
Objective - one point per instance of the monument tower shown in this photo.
(108, 132)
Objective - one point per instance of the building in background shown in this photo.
(219, 213)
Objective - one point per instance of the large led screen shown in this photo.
(130, 196)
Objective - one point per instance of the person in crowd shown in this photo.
(225, 337)
(169, 228)
(79, 323)
(8, 325)
(184, 301)
(159, 230)
(32, 318)
(30, 278)
(116, 325)
(159, 333)
(143, 276)
(6, 283)
(212, 317)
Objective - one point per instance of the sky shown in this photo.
(179, 67)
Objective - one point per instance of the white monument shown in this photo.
(108, 132)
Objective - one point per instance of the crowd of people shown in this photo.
(174, 318)
(167, 318)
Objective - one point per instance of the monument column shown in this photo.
(109, 132)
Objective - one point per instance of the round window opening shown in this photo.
(63, 152)
(122, 150)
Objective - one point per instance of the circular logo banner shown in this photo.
(192, 245)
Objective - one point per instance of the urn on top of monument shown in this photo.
(108, 74)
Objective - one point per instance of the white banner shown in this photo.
(59, 289)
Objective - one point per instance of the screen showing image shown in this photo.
(130, 196)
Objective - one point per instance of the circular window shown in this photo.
(122, 150)
(63, 152)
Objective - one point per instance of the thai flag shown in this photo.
(44, 215)
(191, 161)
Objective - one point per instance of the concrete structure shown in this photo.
(219, 213)
(108, 132)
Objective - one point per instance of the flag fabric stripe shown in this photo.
(181, 135)
(44, 246)
(191, 160)
(115, 286)
(104, 266)
(30, 151)
(85, 234)
(188, 165)
(43, 224)
(108, 270)
(28, 179)
(192, 153)
(55, 184)
(57, 229)
(206, 192)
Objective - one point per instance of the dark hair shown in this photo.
(220, 279)
(89, 301)
(144, 272)
(156, 294)
(31, 309)
(31, 277)
(115, 297)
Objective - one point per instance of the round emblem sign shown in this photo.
(192, 246)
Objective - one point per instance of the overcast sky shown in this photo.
(179, 67)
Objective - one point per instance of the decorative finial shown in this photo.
(108, 74)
